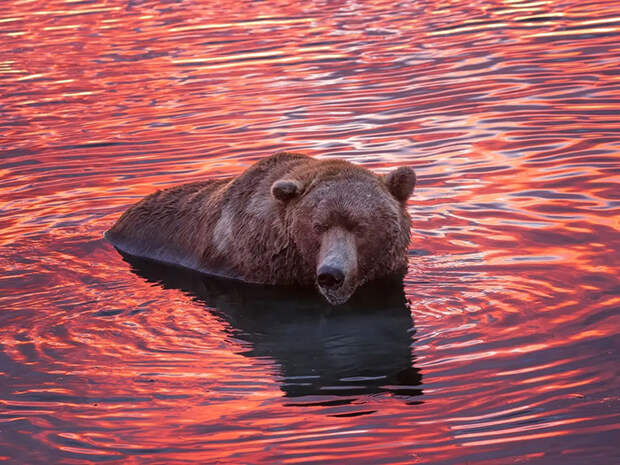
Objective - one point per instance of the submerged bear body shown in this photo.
(289, 219)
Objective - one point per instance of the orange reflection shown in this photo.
(508, 112)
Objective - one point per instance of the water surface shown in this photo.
(500, 348)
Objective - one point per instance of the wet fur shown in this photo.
(236, 228)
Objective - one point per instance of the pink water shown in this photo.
(508, 349)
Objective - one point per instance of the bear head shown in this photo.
(349, 225)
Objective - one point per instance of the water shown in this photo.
(507, 349)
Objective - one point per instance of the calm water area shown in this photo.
(500, 348)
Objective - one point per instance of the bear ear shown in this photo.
(285, 189)
(401, 182)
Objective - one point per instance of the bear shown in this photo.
(289, 219)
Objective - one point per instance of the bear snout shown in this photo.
(336, 273)
(330, 277)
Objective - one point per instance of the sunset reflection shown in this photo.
(500, 346)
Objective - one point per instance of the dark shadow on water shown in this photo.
(361, 347)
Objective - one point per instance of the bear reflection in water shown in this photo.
(361, 347)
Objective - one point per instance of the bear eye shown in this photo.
(359, 229)
(319, 228)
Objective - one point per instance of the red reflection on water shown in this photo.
(507, 110)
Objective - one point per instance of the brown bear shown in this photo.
(289, 219)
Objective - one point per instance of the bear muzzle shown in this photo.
(330, 277)
(336, 274)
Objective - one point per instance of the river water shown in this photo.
(502, 347)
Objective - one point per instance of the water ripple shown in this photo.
(506, 349)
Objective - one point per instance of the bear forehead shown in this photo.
(351, 191)
(354, 199)
(364, 188)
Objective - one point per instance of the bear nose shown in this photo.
(330, 277)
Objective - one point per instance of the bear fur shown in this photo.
(289, 219)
